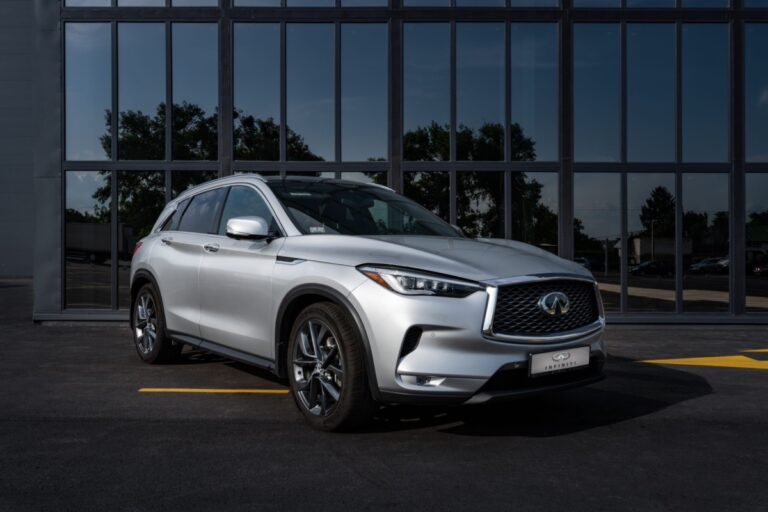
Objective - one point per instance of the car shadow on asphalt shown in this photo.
(631, 390)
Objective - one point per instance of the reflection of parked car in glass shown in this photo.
(717, 265)
(652, 268)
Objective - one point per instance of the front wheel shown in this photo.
(327, 369)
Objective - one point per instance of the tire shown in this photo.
(340, 368)
(152, 343)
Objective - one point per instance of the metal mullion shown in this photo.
(168, 91)
(453, 193)
(283, 93)
(508, 204)
(337, 90)
(452, 132)
(395, 96)
(113, 175)
(737, 190)
(624, 247)
(226, 99)
(507, 92)
(114, 104)
(679, 242)
(623, 90)
(566, 182)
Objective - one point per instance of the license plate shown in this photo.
(559, 360)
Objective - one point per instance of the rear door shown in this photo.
(236, 280)
(176, 260)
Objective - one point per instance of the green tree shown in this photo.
(657, 215)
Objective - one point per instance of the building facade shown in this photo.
(630, 135)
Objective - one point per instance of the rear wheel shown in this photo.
(148, 325)
(327, 369)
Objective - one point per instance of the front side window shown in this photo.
(348, 209)
(244, 201)
(202, 213)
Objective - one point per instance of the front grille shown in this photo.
(518, 314)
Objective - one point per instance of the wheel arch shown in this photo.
(140, 278)
(305, 295)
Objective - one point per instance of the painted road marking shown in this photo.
(214, 390)
(739, 361)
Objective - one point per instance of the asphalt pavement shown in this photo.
(76, 432)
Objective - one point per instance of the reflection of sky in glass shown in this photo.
(363, 3)
(479, 74)
(88, 88)
(363, 91)
(141, 3)
(650, 92)
(194, 3)
(639, 189)
(534, 85)
(755, 3)
(480, 3)
(196, 65)
(596, 92)
(257, 3)
(705, 3)
(87, 3)
(705, 92)
(427, 74)
(141, 66)
(426, 3)
(756, 91)
(311, 3)
(257, 69)
(310, 87)
(705, 193)
(81, 186)
(650, 3)
(597, 204)
(596, 3)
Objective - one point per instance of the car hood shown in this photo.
(478, 260)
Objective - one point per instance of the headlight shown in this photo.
(412, 282)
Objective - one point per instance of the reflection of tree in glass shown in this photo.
(757, 227)
(702, 232)
(479, 207)
(532, 221)
(142, 137)
(259, 139)
(429, 189)
(658, 214)
(182, 180)
(431, 143)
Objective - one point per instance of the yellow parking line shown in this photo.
(214, 390)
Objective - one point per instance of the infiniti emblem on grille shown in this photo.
(554, 304)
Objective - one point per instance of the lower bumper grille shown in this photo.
(518, 312)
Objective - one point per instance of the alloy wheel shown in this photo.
(145, 323)
(318, 368)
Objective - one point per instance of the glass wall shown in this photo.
(612, 140)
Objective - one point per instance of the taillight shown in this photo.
(137, 247)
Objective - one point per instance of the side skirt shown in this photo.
(221, 350)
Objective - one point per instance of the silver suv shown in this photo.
(359, 296)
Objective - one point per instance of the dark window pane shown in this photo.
(597, 3)
(534, 3)
(311, 3)
(705, 92)
(426, 3)
(257, 91)
(377, 177)
(651, 242)
(195, 91)
(650, 3)
(140, 199)
(705, 242)
(363, 3)
(427, 91)
(184, 180)
(596, 92)
(310, 91)
(535, 208)
(87, 3)
(364, 90)
(480, 91)
(257, 3)
(203, 212)
(480, 3)
(757, 242)
(756, 91)
(88, 90)
(194, 3)
(650, 92)
(141, 3)
(141, 91)
(534, 91)
(755, 3)
(480, 204)
(597, 230)
(705, 3)
(430, 190)
(244, 201)
(88, 240)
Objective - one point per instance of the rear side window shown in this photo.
(244, 201)
(172, 222)
(202, 214)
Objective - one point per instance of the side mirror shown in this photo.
(254, 228)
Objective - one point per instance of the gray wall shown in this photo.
(17, 131)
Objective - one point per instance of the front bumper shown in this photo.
(452, 361)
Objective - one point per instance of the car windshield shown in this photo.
(338, 207)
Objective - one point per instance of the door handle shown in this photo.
(167, 240)
(211, 247)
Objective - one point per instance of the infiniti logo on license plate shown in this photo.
(561, 356)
